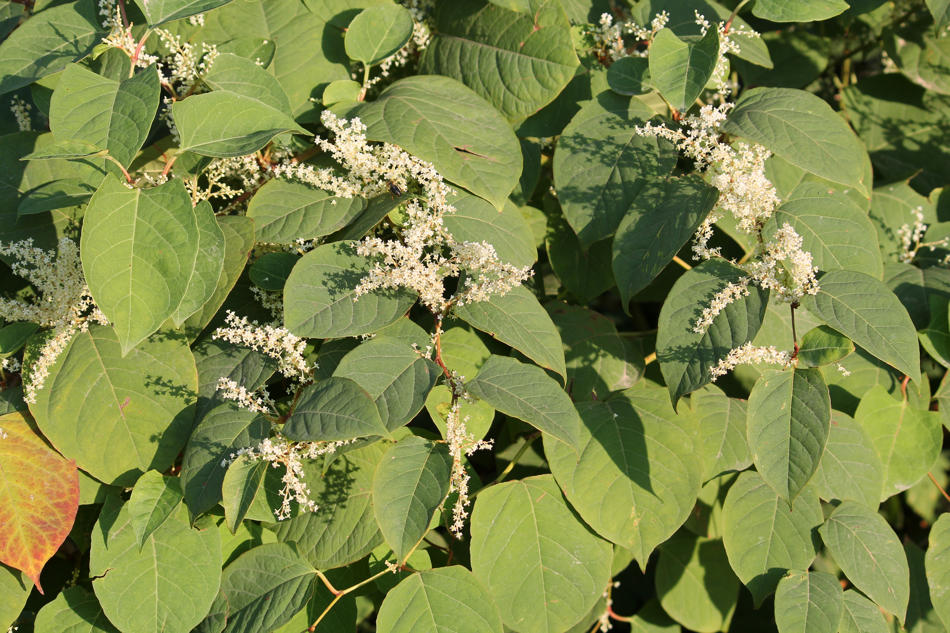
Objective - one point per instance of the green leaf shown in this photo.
(764, 537)
(630, 76)
(823, 346)
(285, 211)
(153, 500)
(940, 9)
(860, 615)
(344, 528)
(331, 410)
(686, 356)
(208, 266)
(140, 406)
(516, 318)
(526, 392)
(378, 32)
(444, 599)
(47, 42)
(850, 469)
(789, 416)
(244, 492)
(695, 584)
(168, 585)
(656, 226)
(680, 70)
(136, 283)
(14, 590)
(263, 588)
(601, 165)
(158, 12)
(542, 566)
(808, 602)
(598, 359)
(14, 335)
(478, 414)
(410, 484)
(785, 11)
(801, 128)
(394, 375)
(863, 309)
(242, 76)
(108, 114)
(834, 229)
(519, 62)
(938, 567)
(866, 549)
(906, 438)
(475, 220)
(610, 475)
(74, 610)
(723, 424)
(440, 120)
(585, 274)
(320, 301)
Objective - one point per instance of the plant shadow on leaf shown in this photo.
(623, 437)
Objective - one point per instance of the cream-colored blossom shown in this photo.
(275, 342)
(256, 401)
(750, 354)
(460, 443)
(730, 293)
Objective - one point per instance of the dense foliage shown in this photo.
(543, 316)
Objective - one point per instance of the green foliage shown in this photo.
(474, 316)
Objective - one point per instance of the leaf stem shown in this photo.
(528, 441)
(649, 359)
(125, 172)
(676, 258)
(732, 16)
(125, 17)
(138, 51)
(939, 487)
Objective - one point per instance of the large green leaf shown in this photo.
(47, 42)
(808, 602)
(526, 392)
(516, 318)
(863, 309)
(208, 266)
(394, 375)
(75, 610)
(601, 164)
(334, 409)
(906, 438)
(108, 114)
(139, 249)
(262, 589)
(410, 484)
(680, 70)
(519, 62)
(377, 32)
(224, 123)
(543, 567)
(612, 477)
(834, 229)
(695, 584)
(14, 590)
(319, 297)
(153, 500)
(442, 121)
(785, 11)
(344, 528)
(801, 128)
(221, 433)
(686, 356)
(860, 615)
(475, 220)
(866, 549)
(657, 225)
(167, 585)
(938, 567)
(436, 600)
(285, 211)
(722, 421)
(140, 406)
(789, 417)
(764, 537)
(850, 469)
(158, 12)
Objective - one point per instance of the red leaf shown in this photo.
(39, 496)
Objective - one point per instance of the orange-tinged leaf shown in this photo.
(39, 496)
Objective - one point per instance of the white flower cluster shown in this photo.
(21, 113)
(10, 364)
(910, 236)
(424, 253)
(279, 451)
(3, 434)
(64, 303)
(607, 36)
(256, 401)
(720, 300)
(750, 354)
(784, 267)
(275, 342)
(460, 442)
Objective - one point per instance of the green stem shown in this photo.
(511, 465)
